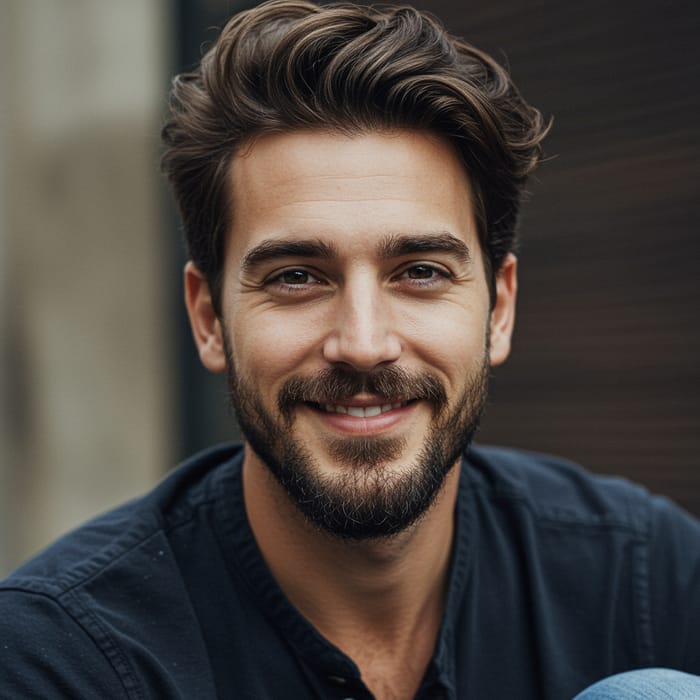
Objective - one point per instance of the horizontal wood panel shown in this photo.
(605, 362)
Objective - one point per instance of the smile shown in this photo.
(362, 411)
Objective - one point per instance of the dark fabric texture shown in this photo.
(558, 579)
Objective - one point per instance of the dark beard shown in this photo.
(369, 499)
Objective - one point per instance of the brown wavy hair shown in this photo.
(290, 64)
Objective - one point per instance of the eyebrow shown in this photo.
(398, 245)
(272, 250)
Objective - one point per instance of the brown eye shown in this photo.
(295, 277)
(420, 272)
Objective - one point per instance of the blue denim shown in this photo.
(645, 684)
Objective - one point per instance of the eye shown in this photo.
(293, 280)
(295, 277)
(421, 272)
(423, 275)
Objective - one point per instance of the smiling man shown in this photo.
(349, 181)
(355, 325)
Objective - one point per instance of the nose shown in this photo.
(364, 334)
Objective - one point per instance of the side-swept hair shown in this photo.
(289, 64)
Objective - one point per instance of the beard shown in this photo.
(370, 499)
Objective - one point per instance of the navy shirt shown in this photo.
(558, 578)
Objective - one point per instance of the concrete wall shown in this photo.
(85, 374)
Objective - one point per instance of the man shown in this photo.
(349, 181)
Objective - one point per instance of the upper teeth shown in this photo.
(362, 411)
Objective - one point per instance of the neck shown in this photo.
(385, 590)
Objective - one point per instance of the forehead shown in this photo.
(351, 189)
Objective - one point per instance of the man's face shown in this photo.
(355, 324)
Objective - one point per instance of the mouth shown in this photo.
(361, 411)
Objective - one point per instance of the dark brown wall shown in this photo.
(605, 364)
(604, 368)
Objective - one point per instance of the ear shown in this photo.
(206, 327)
(503, 312)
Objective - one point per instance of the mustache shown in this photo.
(335, 384)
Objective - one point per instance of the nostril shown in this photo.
(362, 352)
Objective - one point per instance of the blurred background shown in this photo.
(100, 389)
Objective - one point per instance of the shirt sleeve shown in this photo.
(44, 653)
(674, 585)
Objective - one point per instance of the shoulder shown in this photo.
(44, 651)
(101, 542)
(600, 535)
(75, 617)
(557, 490)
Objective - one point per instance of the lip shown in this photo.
(367, 425)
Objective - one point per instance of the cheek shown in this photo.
(269, 347)
(453, 341)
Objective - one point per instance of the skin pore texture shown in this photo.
(356, 330)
